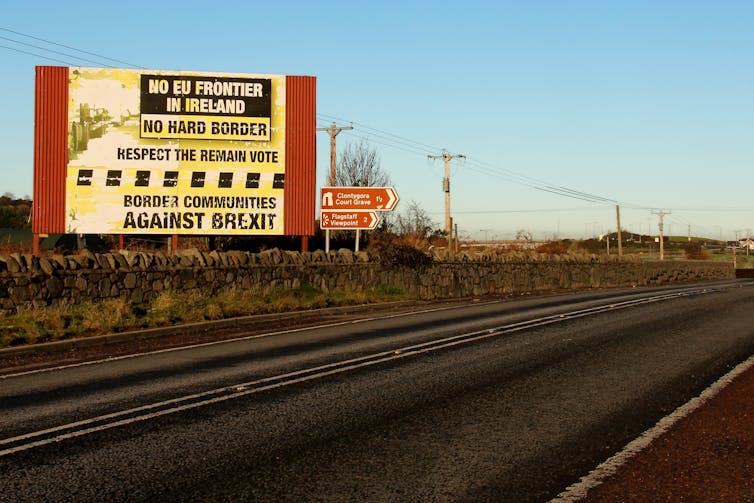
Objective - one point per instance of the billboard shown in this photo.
(175, 152)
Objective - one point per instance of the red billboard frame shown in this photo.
(51, 153)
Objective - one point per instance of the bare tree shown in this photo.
(523, 235)
(415, 225)
(359, 166)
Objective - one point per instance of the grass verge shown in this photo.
(37, 325)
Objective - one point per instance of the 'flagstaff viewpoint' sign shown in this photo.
(167, 152)
(348, 220)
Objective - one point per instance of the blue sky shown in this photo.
(645, 104)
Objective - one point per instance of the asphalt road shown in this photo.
(520, 399)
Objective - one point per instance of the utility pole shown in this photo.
(333, 130)
(445, 156)
(620, 234)
(455, 241)
(661, 214)
(735, 247)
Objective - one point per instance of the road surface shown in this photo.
(488, 401)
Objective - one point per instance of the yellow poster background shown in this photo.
(120, 183)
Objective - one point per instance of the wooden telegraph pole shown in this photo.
(446, 188)
(620, 234)
(333, 131)
(661, 214)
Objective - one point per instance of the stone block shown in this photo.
(15, 263)
(129, 281)
(83, 261)
(54, 287)
(47, 266)
(19, 294)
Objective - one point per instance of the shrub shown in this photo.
(694, 251)
(554, 248)
(400, 255)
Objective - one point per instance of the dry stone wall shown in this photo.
(139, 277)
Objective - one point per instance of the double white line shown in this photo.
(125, 417)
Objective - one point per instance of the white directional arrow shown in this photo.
(369, 220)
(392, 199)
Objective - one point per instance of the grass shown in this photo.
(37, 325)
(743, 261)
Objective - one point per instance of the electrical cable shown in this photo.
(419, 148)
(392, 140)
(69, 47)
(50, 50)
(412, 146)
(374, 135)
(67, 63)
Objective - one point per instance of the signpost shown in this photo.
(349, 220)
(354, 208)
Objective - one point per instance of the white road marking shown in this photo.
(121, 418)
(283, 332)
(596, 477)
(228, 341)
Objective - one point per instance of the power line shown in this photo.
(372, 139)
(430, 148)
(533, 210)
(67, 47)
(420, 148)
(558, 192)
(406, 147)
(375, 135)
(721, 210)
(48, 50)
(388, 139)
(67, 63)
